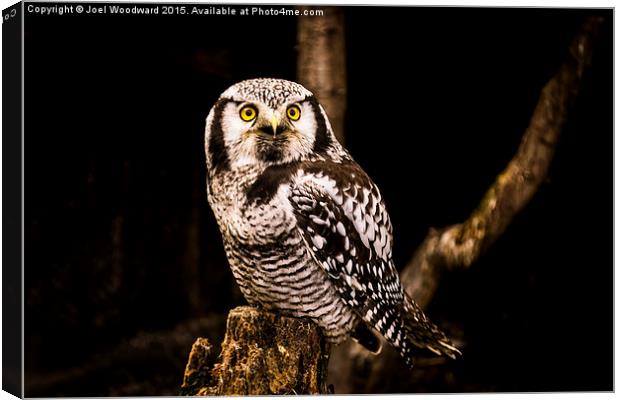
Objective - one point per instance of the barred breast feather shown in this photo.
(269, 258)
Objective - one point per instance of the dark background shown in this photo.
(124, 264)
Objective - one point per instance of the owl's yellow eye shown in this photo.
(293, 112)
(248, 113)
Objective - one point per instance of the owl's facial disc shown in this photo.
(256, 133)
(265, 122)
(276, 134)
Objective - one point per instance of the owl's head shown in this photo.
(266, 122)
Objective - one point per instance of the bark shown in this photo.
(321, 62)
(262, 353)
(197, 375)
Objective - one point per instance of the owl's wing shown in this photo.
(344, 223)
(346, 226)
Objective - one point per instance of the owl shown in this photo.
(305, 230)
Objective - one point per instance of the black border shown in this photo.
(12, 70)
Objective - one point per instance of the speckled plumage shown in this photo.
(305, 229)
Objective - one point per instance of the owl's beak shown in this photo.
(274, 124)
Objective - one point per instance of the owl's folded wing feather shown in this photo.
(345, 225)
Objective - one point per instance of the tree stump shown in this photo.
(262, 354)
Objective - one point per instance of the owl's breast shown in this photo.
(245, 220)
(269, 258)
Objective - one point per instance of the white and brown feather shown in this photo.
(310, 235)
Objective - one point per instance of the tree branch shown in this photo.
(460, 245)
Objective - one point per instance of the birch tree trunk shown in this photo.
(321, 63)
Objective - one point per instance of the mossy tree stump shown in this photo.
(262, 353)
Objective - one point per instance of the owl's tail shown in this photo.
(422, 333)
